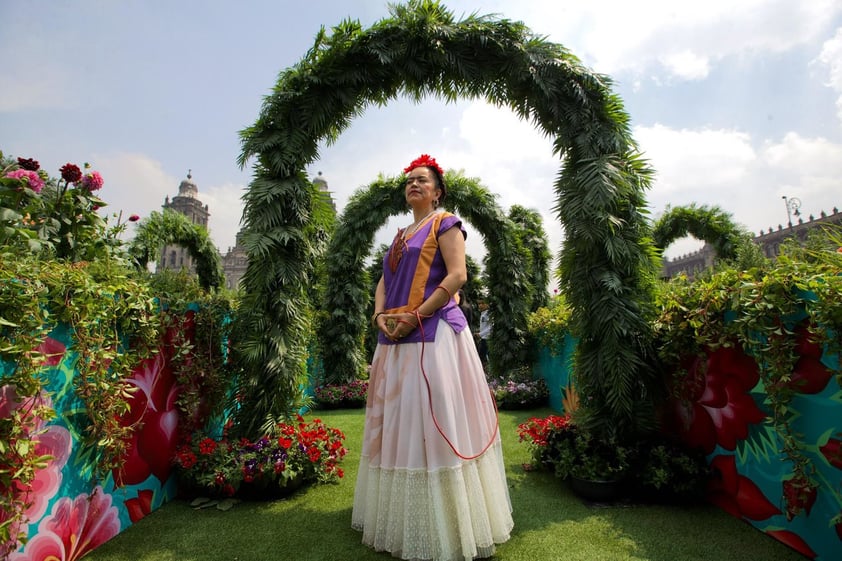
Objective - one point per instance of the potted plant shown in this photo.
(668, 471)
(596, 469)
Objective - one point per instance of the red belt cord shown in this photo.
(433, 414)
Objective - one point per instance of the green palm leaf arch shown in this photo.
(169, 227)
(608, 262)
(710, 224)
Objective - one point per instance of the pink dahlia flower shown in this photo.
(29, 177)
(92, 181)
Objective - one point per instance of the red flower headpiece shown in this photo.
(424, 160)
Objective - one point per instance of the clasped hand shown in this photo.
(397, 326)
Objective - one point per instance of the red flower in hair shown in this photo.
(424, 160)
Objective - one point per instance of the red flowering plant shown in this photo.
(294, 453)
(57, 216)
(537, 432)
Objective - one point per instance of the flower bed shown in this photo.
(518, 390)
(341, 396)
(292, 454)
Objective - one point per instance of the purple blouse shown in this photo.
(418, 273)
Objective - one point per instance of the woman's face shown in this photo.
(421, 188)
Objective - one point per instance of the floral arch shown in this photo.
(607, 264)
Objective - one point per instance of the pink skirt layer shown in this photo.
(431, 484)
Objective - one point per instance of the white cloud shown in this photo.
(686, 64)
(613, 36)
(831, 58)
(689, 160)
(134, 183)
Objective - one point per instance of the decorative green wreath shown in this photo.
(608, 263)
(171, 227)
(348, 295)
(710, 224)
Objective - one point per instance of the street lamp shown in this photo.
(792, 206)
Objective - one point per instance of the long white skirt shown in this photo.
(431, 483)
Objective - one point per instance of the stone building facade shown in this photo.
(769, 241)
(187, 203)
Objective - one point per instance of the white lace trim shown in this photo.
(442, 515)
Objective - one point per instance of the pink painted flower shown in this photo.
(153, 444)
(73, 529)
(53, 351)
(53, 440)
(29, 177)
(92, 181)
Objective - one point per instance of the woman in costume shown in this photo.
(431, 483)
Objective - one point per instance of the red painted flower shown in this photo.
(139, 506)
(800, 494)
(70, 172)
(736, 494)
(794, 541)
(53, 351)
(716, 405)
(809, 375)
(134, 218)
(74, 528)
(832, 451)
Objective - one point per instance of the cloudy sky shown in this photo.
(736, 104)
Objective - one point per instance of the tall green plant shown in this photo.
(530, 230)
(286, 228)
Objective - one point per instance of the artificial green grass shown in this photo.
(550, 522)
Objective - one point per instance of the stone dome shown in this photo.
(188, 187)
